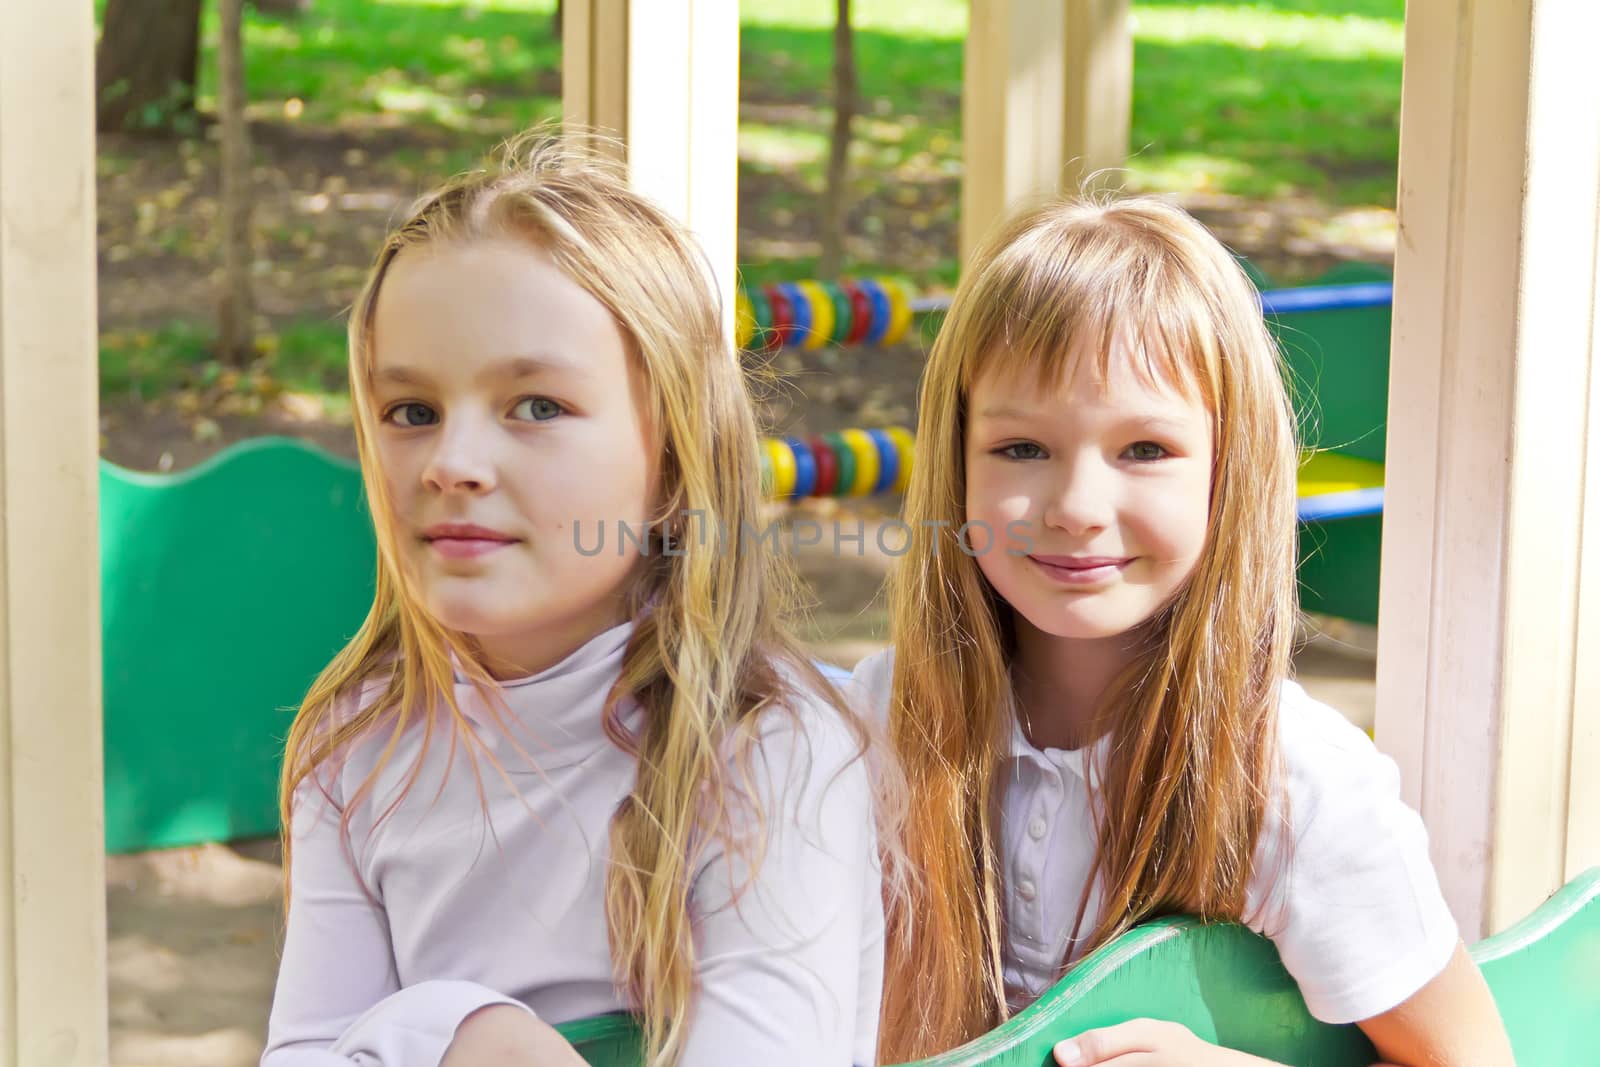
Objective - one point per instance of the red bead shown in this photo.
(827, 467)
(860, 313)
(782, 316)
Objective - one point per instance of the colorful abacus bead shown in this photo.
(781, 460)
(860, 312)
(800, 308)
(805, 467)
(880, 311)
(821, 314)
(764, 338)
(899, 311)
(843, 315)
(865, 454)
(906, 446)
(847, 463)
(782, 316)
(827, 467)
(888, 460)
(744, 320)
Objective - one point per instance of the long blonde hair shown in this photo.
(710, 651)
(1183, 792)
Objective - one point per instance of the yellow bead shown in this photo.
(906, 446)
(822, 316)
(744, 320)
(899, 311)
(866, 453)
(781, 462)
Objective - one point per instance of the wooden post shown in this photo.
(674, 103)
(1045, 103)
(1099, 92)
(1489, 635)
(236, 321)
(52, 862)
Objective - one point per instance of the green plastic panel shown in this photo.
(1338, 568)
(225, 590)
(1227, 985)
(1338, 367)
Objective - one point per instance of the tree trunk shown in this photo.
(145, 69)
(835, 207)
(235, 340)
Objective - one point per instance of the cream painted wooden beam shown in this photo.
(1046, 98)
(1489, 635)
(673, 102)
(52, 824)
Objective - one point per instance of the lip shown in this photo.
(464, 540)
(1081, 570)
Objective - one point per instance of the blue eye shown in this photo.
(1145, 451)
(536, 409)
(1022, 450)
(411, 414)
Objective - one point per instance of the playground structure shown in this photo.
(269, 543)
(1489, 668)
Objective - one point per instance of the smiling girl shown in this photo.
(1093, 710)
(541, 784)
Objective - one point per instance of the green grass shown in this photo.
(1262, 99)
(1253, 98)
(479, 67)
(1258, 99)
(305, 356)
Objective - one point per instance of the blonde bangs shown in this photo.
(1075, 282)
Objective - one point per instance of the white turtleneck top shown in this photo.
(456, 901)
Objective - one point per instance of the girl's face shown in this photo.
(1098, 493)
(509, 409)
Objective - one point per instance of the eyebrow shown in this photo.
(512, 369)
(1153, 423)
(1159, 423)
(1008, 413)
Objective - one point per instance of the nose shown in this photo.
(1080, 500)
(462, 460)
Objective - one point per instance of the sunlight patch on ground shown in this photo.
(1320, 36)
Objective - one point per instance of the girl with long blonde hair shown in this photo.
(1089, 691)
(571, 763)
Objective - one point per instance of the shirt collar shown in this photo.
(559, 706)
(1080, 762)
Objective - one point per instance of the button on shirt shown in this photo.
(1342, 882)
(448, 908)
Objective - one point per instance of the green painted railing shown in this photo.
(1228, 986)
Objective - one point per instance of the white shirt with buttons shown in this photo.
(442, 908)
(1346, 890)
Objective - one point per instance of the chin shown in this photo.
(1078, 628)
(475, 619)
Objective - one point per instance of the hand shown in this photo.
(1147, 1043)
(505, 1036)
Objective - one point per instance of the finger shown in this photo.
(1108, 1042)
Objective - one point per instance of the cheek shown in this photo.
(998, 496)
(1175, 518)
(604, 478)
